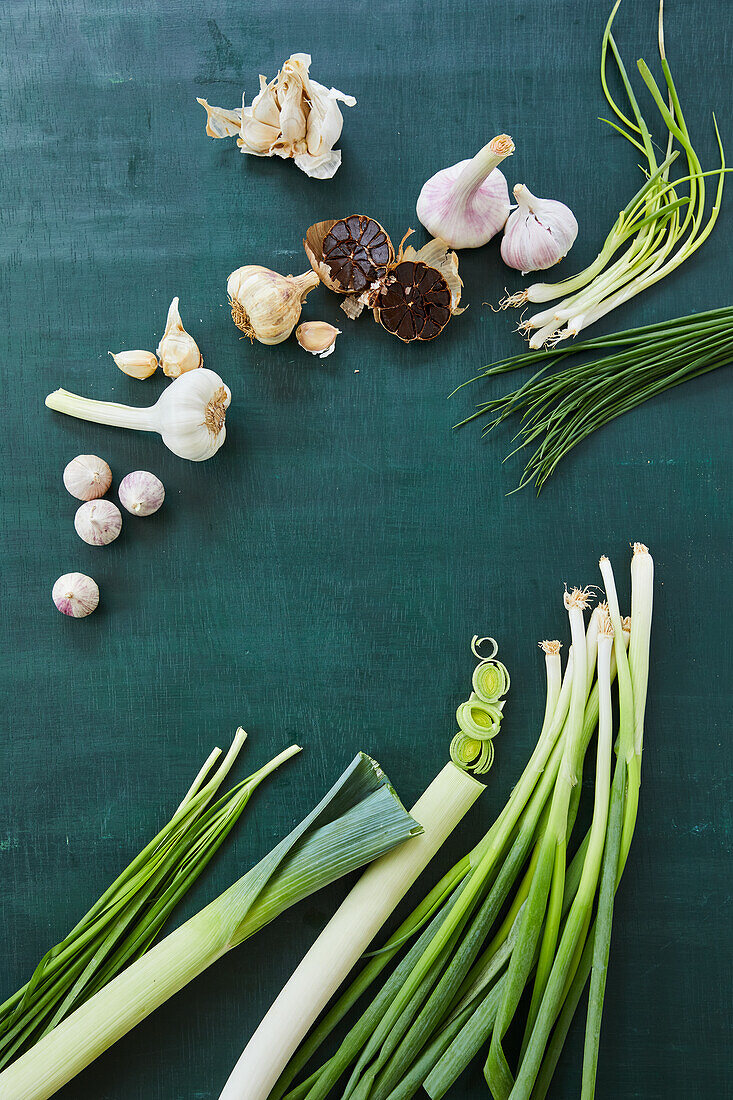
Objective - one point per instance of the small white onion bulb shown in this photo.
(141, 493)
(75, 595)
(98, 522)
(87, 477)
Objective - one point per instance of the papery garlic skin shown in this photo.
(141, 493)
(317, 337)
(266, 305)
(87, 477)
(178, 351)
(467, 204)
(292, 116)
(538, 234)
(98, 522)
(76, 595)
(136, 364)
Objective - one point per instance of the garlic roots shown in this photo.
(189, 414)
(467, 204)
(317, 337)
(266, 305)
(178, 351)
(538, 234)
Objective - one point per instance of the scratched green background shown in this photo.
(320, 580)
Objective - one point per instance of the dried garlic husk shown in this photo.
(178, 351)
(317, 337)
(87, 477)
(138, 364)
(266, 305)
(292, 116)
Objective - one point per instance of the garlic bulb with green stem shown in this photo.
(178, 351)
(467, 204)
(538, 233)
(189, 414)
(98, 522)
(266, 305)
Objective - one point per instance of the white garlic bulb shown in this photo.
(98, 522)
(189, 414)
(141, 493)
(87, 477)
(137, 364)
(266, 305)
(538, 233)
(467, 204)
(178, 351)
(317, 337)
(75, 595)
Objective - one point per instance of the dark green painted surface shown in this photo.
(321, 579)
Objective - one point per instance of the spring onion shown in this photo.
(532, 912)
(358, 820)
(657, 230)
(616, 373)
(126, 920)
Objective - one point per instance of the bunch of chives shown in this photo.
(607, 377)
(520, 912)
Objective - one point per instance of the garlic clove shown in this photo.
(266, 305)
(87, 477)
(467, 204)
(141, 493)
(138, 364)
(538, 233)
(221, 123)
(178, 351)
(98, 522)
(317, 337)
(76, 595)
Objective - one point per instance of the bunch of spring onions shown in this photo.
(617, 373)
(657, 230)
(528, 910)
(358, 820)
(125, 921)
(380, 889)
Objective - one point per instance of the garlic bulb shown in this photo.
(138, 364)
(76, 595)
(87, 477)
(317, 337)
(265, 305)
(467, 204)
(189, 414)
(141, 493)
(98, 522)
(178, 351)
(538, 233)
(292, 116)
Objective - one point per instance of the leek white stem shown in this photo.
(347, 935)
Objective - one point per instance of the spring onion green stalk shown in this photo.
(655, 232)
(128, 917)
(520, 919)
(347, 935)
(557, 410)
(359, 820)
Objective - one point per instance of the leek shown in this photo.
(358, 820)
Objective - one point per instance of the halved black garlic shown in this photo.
(357, 252)
(415, 303)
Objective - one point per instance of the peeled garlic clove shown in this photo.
(98, 522)
(141, 493)
(138, 364)
(178, 351)
(317, 337)
(538, 233)
(467, 204)
(75, 595)
(266, 305)
(87, 477)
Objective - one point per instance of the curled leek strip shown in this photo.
(479, 717)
